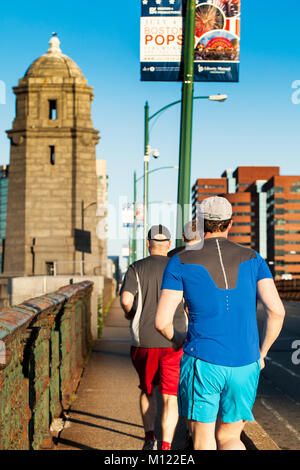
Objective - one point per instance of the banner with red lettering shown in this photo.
(217, 40)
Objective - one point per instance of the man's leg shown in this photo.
(203, 435)
(236, 402)
(148, 410)
(146, 364)
(228, 435)
(169, 417)
(169, 380)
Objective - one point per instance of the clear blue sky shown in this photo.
(258, 125)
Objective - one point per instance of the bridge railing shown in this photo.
(43, 345)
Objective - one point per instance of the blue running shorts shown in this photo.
(207, 391)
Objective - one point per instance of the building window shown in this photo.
(210, 186)
(52, 154)
(279, 222)
(274, 190)
(243, 223)
(240, 214)
(278, 189)
(243, 204)
(244, 234)
(52, 110)
(295, 188)
(279, 211)
(50, 268)
(279, 201)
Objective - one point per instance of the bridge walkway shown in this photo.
(105, 413)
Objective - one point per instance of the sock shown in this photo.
(165, 445)
(149, 436)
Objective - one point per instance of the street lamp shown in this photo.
(147, 118)
(145, 204)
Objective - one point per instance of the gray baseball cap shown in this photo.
(190, 231)
(215, 208)
(159, 233)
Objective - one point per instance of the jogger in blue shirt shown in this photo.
(222, 357)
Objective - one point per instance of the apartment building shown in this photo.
(266, 213)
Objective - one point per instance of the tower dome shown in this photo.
(54, 63)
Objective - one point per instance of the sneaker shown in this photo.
(150, 445)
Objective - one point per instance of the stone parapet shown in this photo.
(44, 343)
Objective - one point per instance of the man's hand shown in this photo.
(169, 301)
(127, 299)
(275, 313)
(130, 315)
(178, 340)
(262, 363)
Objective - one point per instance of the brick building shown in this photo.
(283, 220)
(266, 213)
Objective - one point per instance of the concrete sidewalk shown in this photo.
(105, 414)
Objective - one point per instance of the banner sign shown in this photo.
(217, 40)
(128, 215)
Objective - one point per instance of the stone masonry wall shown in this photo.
(43, 346)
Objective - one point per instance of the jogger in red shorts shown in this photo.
(155, 360)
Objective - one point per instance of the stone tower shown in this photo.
(52, 191)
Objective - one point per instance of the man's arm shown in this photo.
(275, 313)
(168, 303)
(128, 292)
(127, 299)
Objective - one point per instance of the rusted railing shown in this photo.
(43, 345)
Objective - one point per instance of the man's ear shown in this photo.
(148, 245)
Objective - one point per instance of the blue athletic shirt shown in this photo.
(219, 284)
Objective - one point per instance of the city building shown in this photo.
(102, 185)
(283, 221)
(3, 208)
(242, 204)
(266, 213)
(52, 187)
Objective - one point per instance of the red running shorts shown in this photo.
(157, 366)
